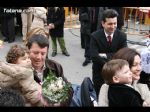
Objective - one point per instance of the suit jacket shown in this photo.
(99, 44)
(121, 95)
(84, 20)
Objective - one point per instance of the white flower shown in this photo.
(55, 89)
(60, 83)
(52, 87)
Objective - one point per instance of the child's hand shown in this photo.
(42, 100)
(145, 104)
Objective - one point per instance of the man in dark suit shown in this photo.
(88, 18)
(104, 43)
(7, 24)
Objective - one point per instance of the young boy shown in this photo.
(117, 75)
(18, 55)
(18, 74)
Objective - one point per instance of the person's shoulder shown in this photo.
(121, 32)
(121, 86)
(52, 62)
(97, 32)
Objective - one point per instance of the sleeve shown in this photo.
(103, 96)
(40, 12)
(123, 40)
(135, 102)
(95, 52)
(30, 89)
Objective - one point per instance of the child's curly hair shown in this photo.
(16, 52)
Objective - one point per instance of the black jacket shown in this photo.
(99, 44)
(120, 95)
(58, 19)
(84, 20)
(88, 21)
(145, 79)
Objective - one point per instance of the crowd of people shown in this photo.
(116, 69)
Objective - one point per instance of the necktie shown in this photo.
(109, 39)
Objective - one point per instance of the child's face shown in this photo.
(124, 76)
(25, 60)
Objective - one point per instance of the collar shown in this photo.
(43, 68)
(129, 85)
(108, 35)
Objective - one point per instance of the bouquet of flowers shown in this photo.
(56, 90)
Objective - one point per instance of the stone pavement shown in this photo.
(72, 66)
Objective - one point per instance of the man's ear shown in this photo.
(102, 22)
(115, 79)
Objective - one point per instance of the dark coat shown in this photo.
(98, 45)
(145, 79)
(84, 20)
(88, 23)
(58, 19)
(54, 67)
(94, 18)
(120, 95)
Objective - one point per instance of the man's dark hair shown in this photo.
(11, 98)
(41, 40)
(109, 13)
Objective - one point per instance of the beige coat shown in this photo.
(39, 17)
(103, 96)
(21, 78)
(141, 88)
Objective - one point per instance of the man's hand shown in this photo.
(103, 55)
(51, 26)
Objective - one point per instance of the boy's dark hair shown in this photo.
(11, 98)
(109, 13)
(40, 39)
(111, 68)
